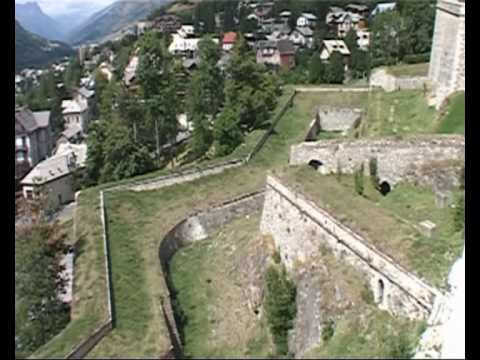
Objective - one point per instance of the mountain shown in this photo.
(34, 51)
(33, 19)
(113, 18)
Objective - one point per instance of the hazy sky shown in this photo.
(56, 7)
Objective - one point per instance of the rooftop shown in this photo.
(336, 45)
(68, 158)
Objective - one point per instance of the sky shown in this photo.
(58, 7)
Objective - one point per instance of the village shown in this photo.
(44, 161)
(246, 178)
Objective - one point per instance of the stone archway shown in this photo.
(384, 188)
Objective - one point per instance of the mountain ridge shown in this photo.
(32, 18)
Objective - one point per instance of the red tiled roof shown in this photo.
(229, 37)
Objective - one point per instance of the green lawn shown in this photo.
(408, 70)
(207, 277)
(397, 214)
(454, 120)
(90, 295)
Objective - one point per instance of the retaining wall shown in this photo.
(397, 159)
(299, 227)
(382, 79)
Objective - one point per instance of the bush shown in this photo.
(459, 213)
(367, 295)
(280, 306)
(328, 330)
(276, 257)
(359, 185)
(416, 58)
(373, 167)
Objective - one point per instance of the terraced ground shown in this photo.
(138, 221)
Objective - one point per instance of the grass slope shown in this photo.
(388, 222)
(89, 308)
(454, 120)
(209, 290)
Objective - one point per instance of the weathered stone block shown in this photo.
(427, 228)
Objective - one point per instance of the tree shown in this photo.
(227, 132)
(316, 70)
(39, 314)
(385, 37)
(158, 88)
(335, 69)
(360, 64)
(95, 158)
(73, 73)
(122, 156)
(206, 96)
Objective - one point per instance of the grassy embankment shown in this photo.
(90, 295)
(138, 221)
(389, 222)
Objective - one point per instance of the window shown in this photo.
(20, 157)
(29, 194)
(18, 142)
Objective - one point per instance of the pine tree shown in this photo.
(335, 69)
(316, 69)
(206, 96)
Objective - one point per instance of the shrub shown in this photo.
(328, 330)
(276, 257)
(367, 295)
(359, 185)
(459, 213)
(280, 306)
(373, 166)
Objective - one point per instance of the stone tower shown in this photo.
(447, 60)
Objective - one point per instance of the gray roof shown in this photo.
(42, 118)
(305, 31)
(189, 63)
(71, 131)
(357, 7)
(264, 44)
(85, 92)
(27, 121)
(68, 158)
(285, 47)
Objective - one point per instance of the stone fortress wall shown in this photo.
(299, 229)
(397, 159)
(447, 60)
(388, 82)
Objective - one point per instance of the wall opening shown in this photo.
(381, 289)
(315, 164)
(384, 188)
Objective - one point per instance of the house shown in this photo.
(186, 31)
(277, 30)
(306, 19)
(53, 177)
(229, 40)
(278, 53)
(331, 46)
(363, 39)
(167, 23)
(143, 26)
(361, 10)
(302, 37)
(77, 110)
(106, 70)
(72, 134)
(341, 22)
(383, 7)
(185, 47)
(130, 72)
(33, 139)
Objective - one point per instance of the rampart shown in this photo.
(397, 159)
(447, 59)
(388, 82)
(299, 227)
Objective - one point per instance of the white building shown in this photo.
(331, 46)
(383, 7)
(185, 46)
(186, 31)
(302, 37)
(54, 176)
(363, 39)
(130, 72)
(77, 111)
(306, 19)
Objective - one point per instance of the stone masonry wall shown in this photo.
(299, 228)
(382, 79)
(337, 118)
(397, 159)
(447, 59)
